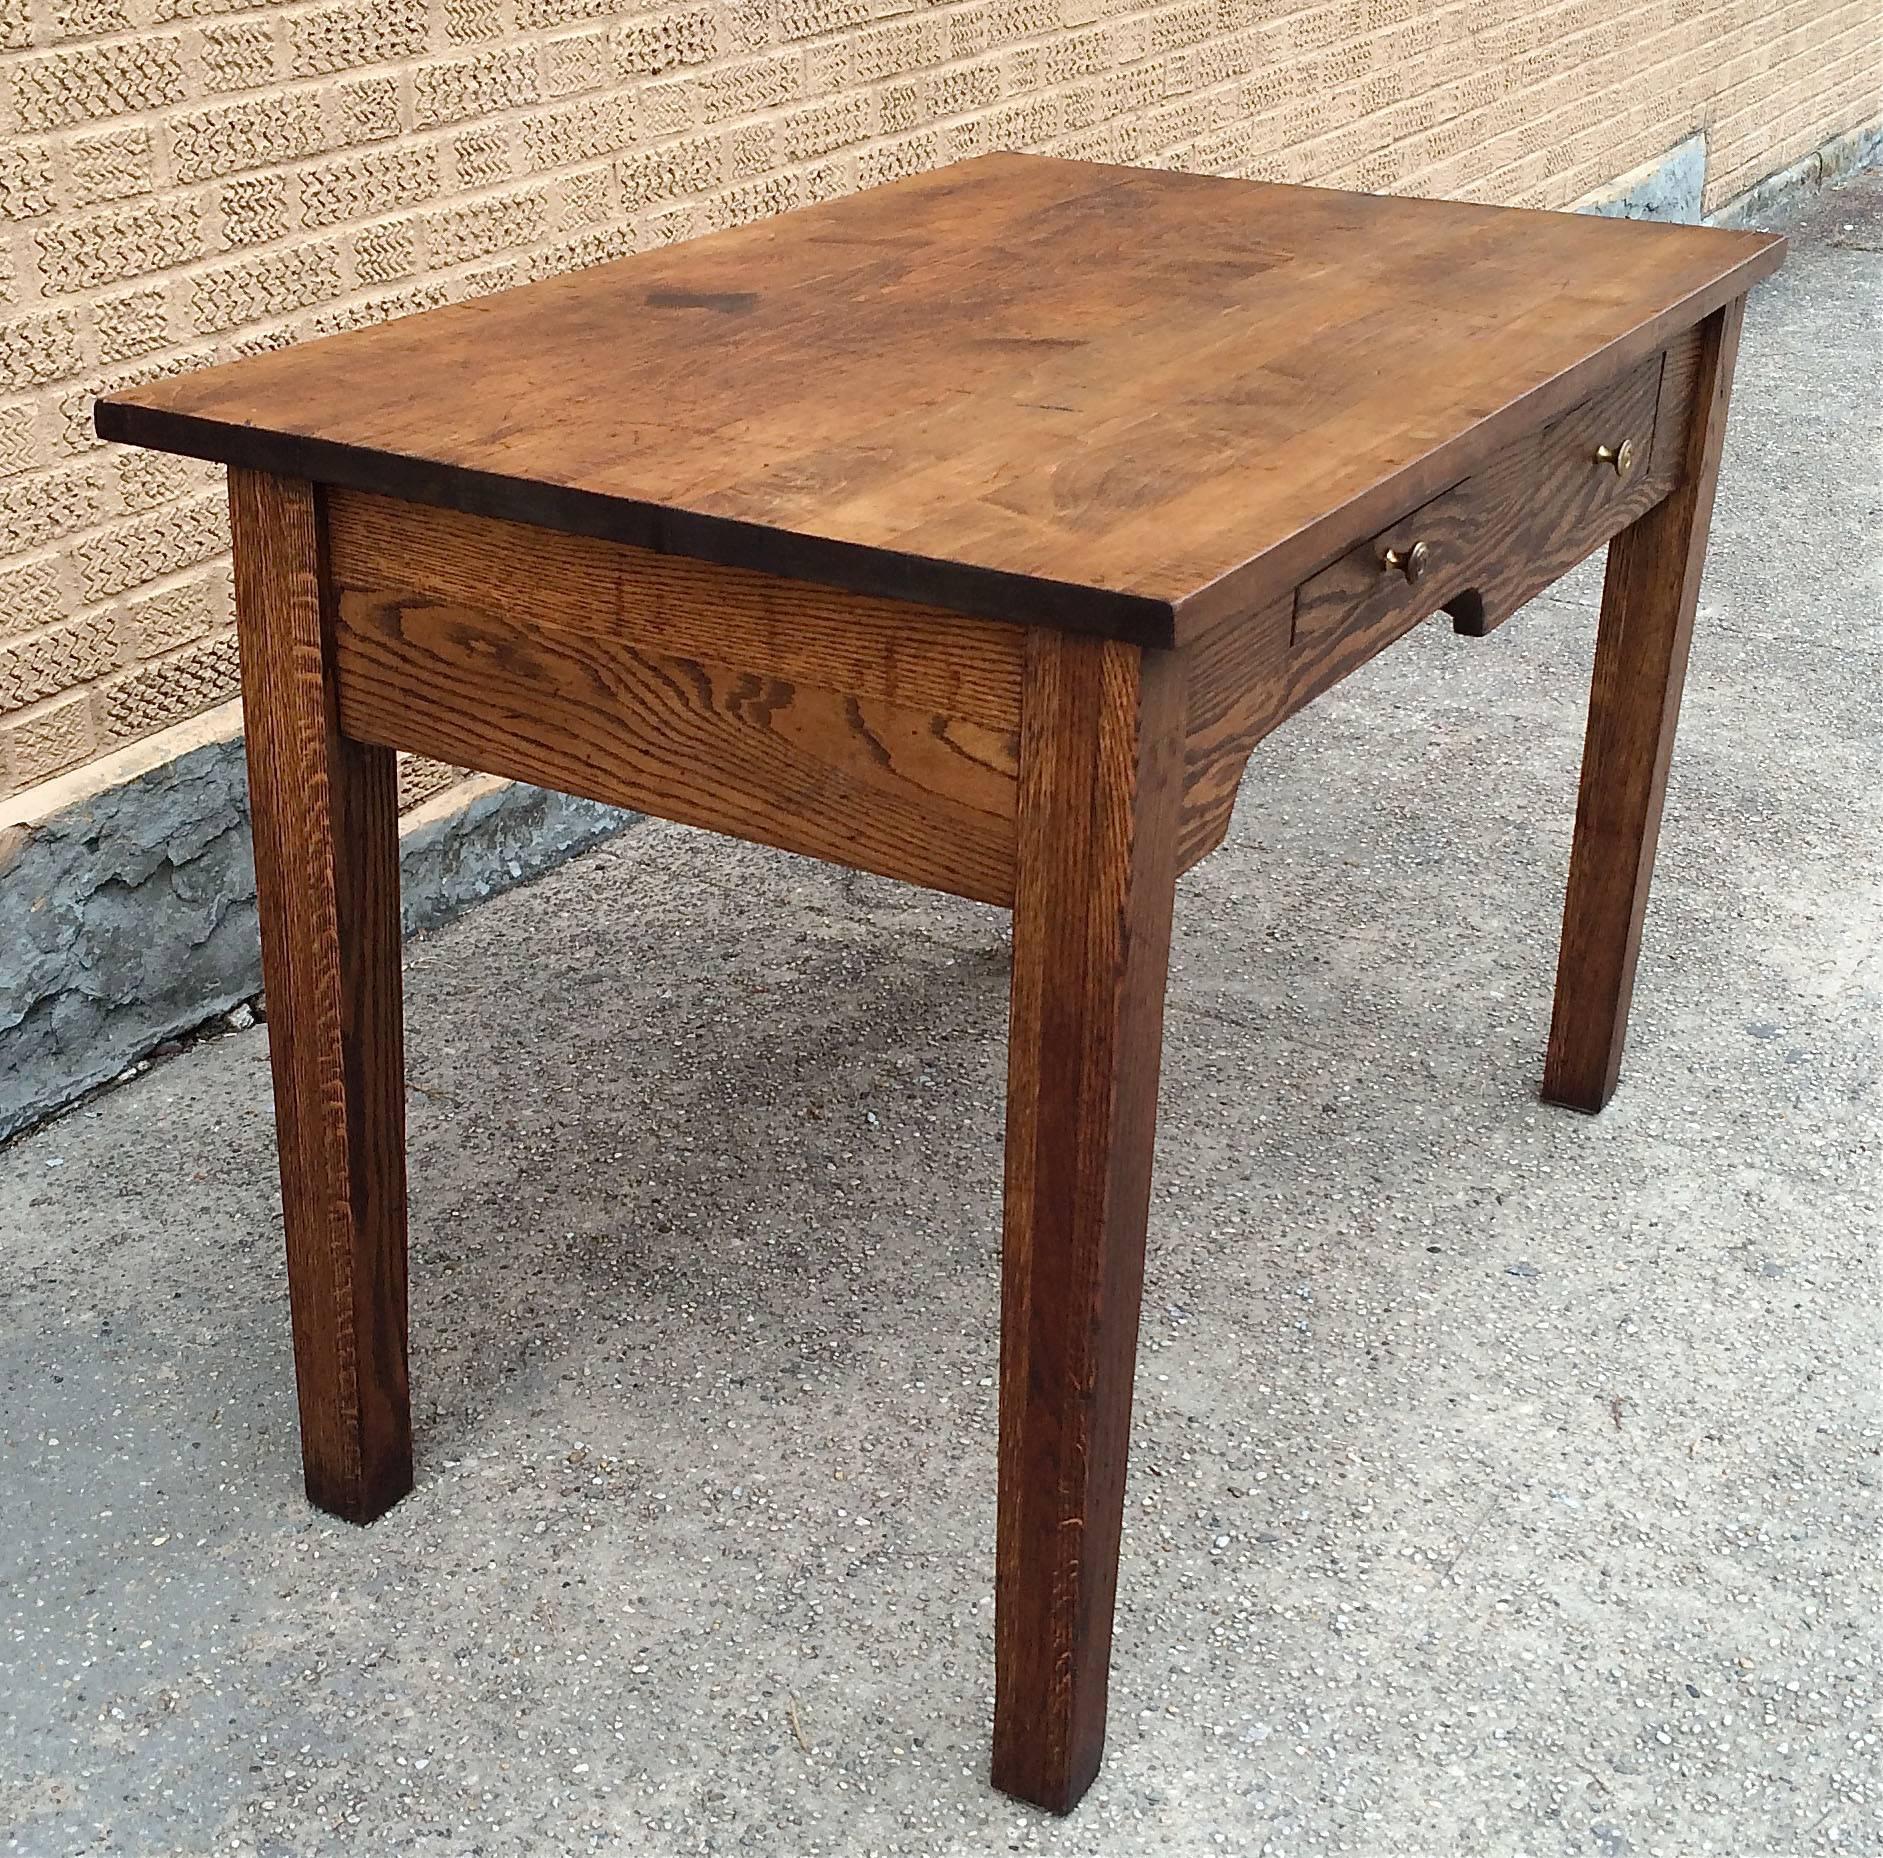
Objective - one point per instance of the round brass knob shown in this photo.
(1621, 456)
(1411, 562)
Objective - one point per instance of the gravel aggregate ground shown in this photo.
(1503, 1482)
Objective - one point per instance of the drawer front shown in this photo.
(1491, 542)
(1484, 547)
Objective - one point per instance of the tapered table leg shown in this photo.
(327, 874)
(1100, 771)
(1648, 606)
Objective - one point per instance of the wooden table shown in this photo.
(973, 532)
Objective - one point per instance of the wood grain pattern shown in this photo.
(916, 657)
(1115, 400)
(327, 877)
(788, 734)
(1237, 692)
(1592, 505)
(1495, 542)
(1648, 603)
(1100, 778)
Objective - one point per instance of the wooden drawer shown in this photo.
(1484, 547)
(1492, 541)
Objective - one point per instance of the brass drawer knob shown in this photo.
(1621, 456)
(1411, 562)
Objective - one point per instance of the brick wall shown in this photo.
(183, 181)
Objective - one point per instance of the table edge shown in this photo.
(861, 568)
(1296, 558)
(724, 541)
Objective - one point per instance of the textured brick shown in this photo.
(478, 228)
(362, 312)
(752, 85)
(113, 165)
(483, 157)
(534, 13)
(1079, 54)
(574, 132)
(254, 208)
(686, 167)
(77, 651)
(829, 67)
(478, 85)
(589, 198)
(131, 325)
(369, 106)
(267, 285)
(387, 251)
(53, 738)
(18, 449)
(26, 189)
(578, 62)
(593, 247)
(256, 132)
(827, 180)
(890, 161)
(484, 279)
(131, 553)
(467, 21)
(663, 111)
(31, 594)
(825, 126)
(43, 346)
(658, 42)
(752, 150)
(890, 51)
(963, 88)
(239, 57)
(749, 25)
(157, 695)
(147, 479)
(805, 19)
(360, 186)
(166, 10)
(40, 506)
(90, 19)
(1008, 20)
(87, 82)
(759, 199)
(162, 622)
(354, 32)
(79, 254)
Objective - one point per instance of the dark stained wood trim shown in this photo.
(923, 658)
(984, 593)
(1648, 605)
(325, 812)
(889, 745)
(1316, 546)
(933, 523)
(1100, 780)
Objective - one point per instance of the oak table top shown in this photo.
(974, 532)
(1117, 400)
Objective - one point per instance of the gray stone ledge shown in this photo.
(1673, 187)
(1782, 194)
(127, 914)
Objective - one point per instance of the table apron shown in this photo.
(869, 733)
